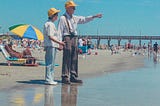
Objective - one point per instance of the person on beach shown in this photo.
(14, 53)
(149, 48)
(1, 41)
(155, 47)
(67, 27)
(25, 54)
(51, 44)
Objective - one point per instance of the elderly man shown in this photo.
(67, 27)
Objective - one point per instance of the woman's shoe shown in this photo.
(51, 83)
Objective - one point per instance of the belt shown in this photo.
(70, 36)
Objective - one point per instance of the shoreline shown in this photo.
(90, 66)
(113, 64)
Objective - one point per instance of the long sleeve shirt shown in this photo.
(63, 28)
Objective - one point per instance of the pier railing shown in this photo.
(122, 37)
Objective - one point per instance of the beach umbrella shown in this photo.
(26, 31)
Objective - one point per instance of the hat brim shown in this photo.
(56, 12)
(71, 5)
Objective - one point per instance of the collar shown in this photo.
(49, 20)
(68, 16)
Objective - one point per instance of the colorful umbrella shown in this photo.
(26, 31)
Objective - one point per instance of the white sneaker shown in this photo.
(51, 82)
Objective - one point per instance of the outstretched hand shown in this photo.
(97, 16)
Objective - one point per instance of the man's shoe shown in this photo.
(74, 80)
(51, 83)
(66, 81)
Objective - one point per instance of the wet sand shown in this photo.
(90, 66)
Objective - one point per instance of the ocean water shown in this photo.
(140, 87)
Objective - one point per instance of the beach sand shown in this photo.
(89, 66)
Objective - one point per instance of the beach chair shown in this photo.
(14, 59)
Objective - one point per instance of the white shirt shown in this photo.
(50, 30)
(73, 21)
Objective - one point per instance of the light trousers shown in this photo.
(50, 57)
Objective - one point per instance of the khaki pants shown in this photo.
(70, 57)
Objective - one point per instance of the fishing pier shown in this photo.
(120, 38)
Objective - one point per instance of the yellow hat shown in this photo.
(52, 11)
(69, 4)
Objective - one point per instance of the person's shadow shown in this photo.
(38, 82)
(69, 95)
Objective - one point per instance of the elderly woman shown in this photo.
(51, 44)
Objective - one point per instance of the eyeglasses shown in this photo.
(51, 17)
(73, 8)
(56, 14)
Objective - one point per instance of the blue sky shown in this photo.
(120, 17)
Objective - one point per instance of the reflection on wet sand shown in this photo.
(37, 98)
(18, 100)
(25, 97)
(49, 99)
(69, 95)
(44, 95)
(156, 58)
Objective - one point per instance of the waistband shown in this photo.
(70, 36)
